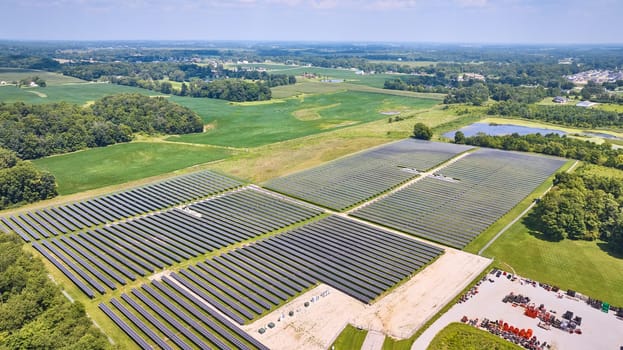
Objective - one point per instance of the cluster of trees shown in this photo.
(33, 312)
(21, 182)
(582, 206)
(417, 84)
(563, 115)
(552, 144)
(422, 132)
(34, 131)
(476, 94)
(147, 114)
(230, 89)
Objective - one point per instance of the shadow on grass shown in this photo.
(608, 249)
(531, 223)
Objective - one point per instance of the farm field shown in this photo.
(374, 80)
(463, 199)
(252, 125)
(105, 166)
(351, 180)
(459, 336)
(51, 79)
(79, 93)
(311, 87)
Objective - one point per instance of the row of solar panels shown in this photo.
(94, 212)
(106, 256)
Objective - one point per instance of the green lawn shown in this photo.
(578, 265)
(99, 167)
(458, 336)
(351, 338)
(251, 125)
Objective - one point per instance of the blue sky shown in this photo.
(452, 21)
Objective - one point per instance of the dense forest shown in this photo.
(582, 207)
(33, 312)
(34, 131)
(21, 182)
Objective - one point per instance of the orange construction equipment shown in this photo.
(531, 311)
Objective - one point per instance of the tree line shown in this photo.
(582, 206)
(33, 312)
(34, 131)
(562, 115)
(551, 144)
(197, 81)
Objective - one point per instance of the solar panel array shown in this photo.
(360, 260)
(109, 256)
(193, 307)
(490, 183)
(54, 221)
(348, 181)
(168, 316)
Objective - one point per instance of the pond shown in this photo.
(501, 129)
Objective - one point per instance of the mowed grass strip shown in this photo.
(350, 338)
(100, 167)
(458, 336)
(251, 126)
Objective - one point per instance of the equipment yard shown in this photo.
(599, 330)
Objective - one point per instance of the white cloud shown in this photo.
(473, 3)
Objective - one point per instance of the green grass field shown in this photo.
(51, 79)
(240, 125)
(100, 167)
(351, 338)
(80, 93)
(579, 265)
(458, 336)
(587, 267)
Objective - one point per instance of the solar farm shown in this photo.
(187, 262)
(466, 197)
(348, 181)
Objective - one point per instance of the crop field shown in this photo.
(115, 164)
(312, 87)
(54, 221)
(16, 74)
(240, 125)
(374, 80)
(244, 283)
(78, 93)
(347, 181)
(142, 246)
(455, 206)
